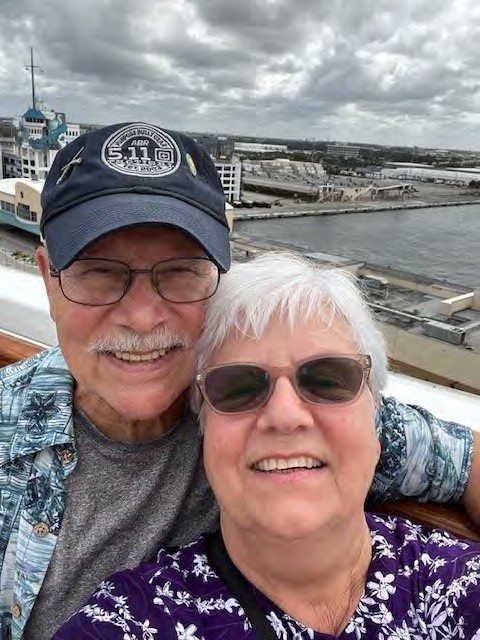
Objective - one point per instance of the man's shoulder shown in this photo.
(20, 374)
(33, 388)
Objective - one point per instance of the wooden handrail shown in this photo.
(452, 518)
(14, 348)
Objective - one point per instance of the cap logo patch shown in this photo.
(141, 150)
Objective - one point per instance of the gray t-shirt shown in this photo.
(125, 501)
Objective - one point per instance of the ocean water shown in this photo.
(438, 242)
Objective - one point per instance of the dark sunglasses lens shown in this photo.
(236, 388)
(330, 380)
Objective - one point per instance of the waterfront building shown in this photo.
(229, 166)
(219, 147)
(10, 164)
(33, 142)
(256, 147)
(345, 150)
(43, 133)
(20, 203)
(28, 147)
(230, 173)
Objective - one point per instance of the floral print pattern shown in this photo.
(422, 584)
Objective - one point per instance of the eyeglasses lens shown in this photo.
(95, 282)
(185, 280)
(330, 380)
(236, 388)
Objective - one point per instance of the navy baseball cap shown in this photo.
(131, 174)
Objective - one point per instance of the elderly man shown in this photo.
(100, 457)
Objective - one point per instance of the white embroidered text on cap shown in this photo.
(141, 150)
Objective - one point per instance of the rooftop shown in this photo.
(34, 114)
(424, 314)
(7, 185)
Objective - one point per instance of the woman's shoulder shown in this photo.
(426, 551)
(423, 571)
(421, 583)
(410, 538)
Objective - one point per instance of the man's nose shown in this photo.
(142, 308)
(285, 411)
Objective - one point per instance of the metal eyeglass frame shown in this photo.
(56, 273)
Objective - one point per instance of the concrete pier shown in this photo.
(242, 215)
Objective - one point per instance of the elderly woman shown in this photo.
(291, 366)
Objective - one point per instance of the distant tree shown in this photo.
(332, 171)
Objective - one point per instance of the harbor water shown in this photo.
(441, 243)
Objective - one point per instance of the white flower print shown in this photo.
(202, 567)
(105, 587)
(186, 633)
(300, 633)
(207, 606)
(232, 604)
(383, 616)
(147, 631)
(163, 592)
(277, 625)
(409, 570)
(403, 633)
(123, 611)
(382, 547)
(183, 598)
(382, 589)
(356, 626)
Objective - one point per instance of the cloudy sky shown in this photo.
(401, 72)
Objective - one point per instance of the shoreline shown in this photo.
(240, 215)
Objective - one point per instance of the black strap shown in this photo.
(238, 586)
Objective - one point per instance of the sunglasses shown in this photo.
(244, 386)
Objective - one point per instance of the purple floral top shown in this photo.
(421, 583)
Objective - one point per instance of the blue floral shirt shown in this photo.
(421, 585)
(421, 456)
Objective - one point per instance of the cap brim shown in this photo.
(70, 233)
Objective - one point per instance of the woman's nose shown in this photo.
(285, 410)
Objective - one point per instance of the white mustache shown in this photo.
(129, 341)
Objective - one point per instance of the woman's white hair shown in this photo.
(294, 288)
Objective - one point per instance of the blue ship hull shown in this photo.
(10, 219)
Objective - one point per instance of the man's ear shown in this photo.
(44, 266)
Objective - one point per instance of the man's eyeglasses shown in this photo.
(100, 281)
(243, 386)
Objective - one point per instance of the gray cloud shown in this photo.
(376, 71)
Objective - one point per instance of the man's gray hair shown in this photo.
(287, 286)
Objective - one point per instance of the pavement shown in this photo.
(12, 239)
